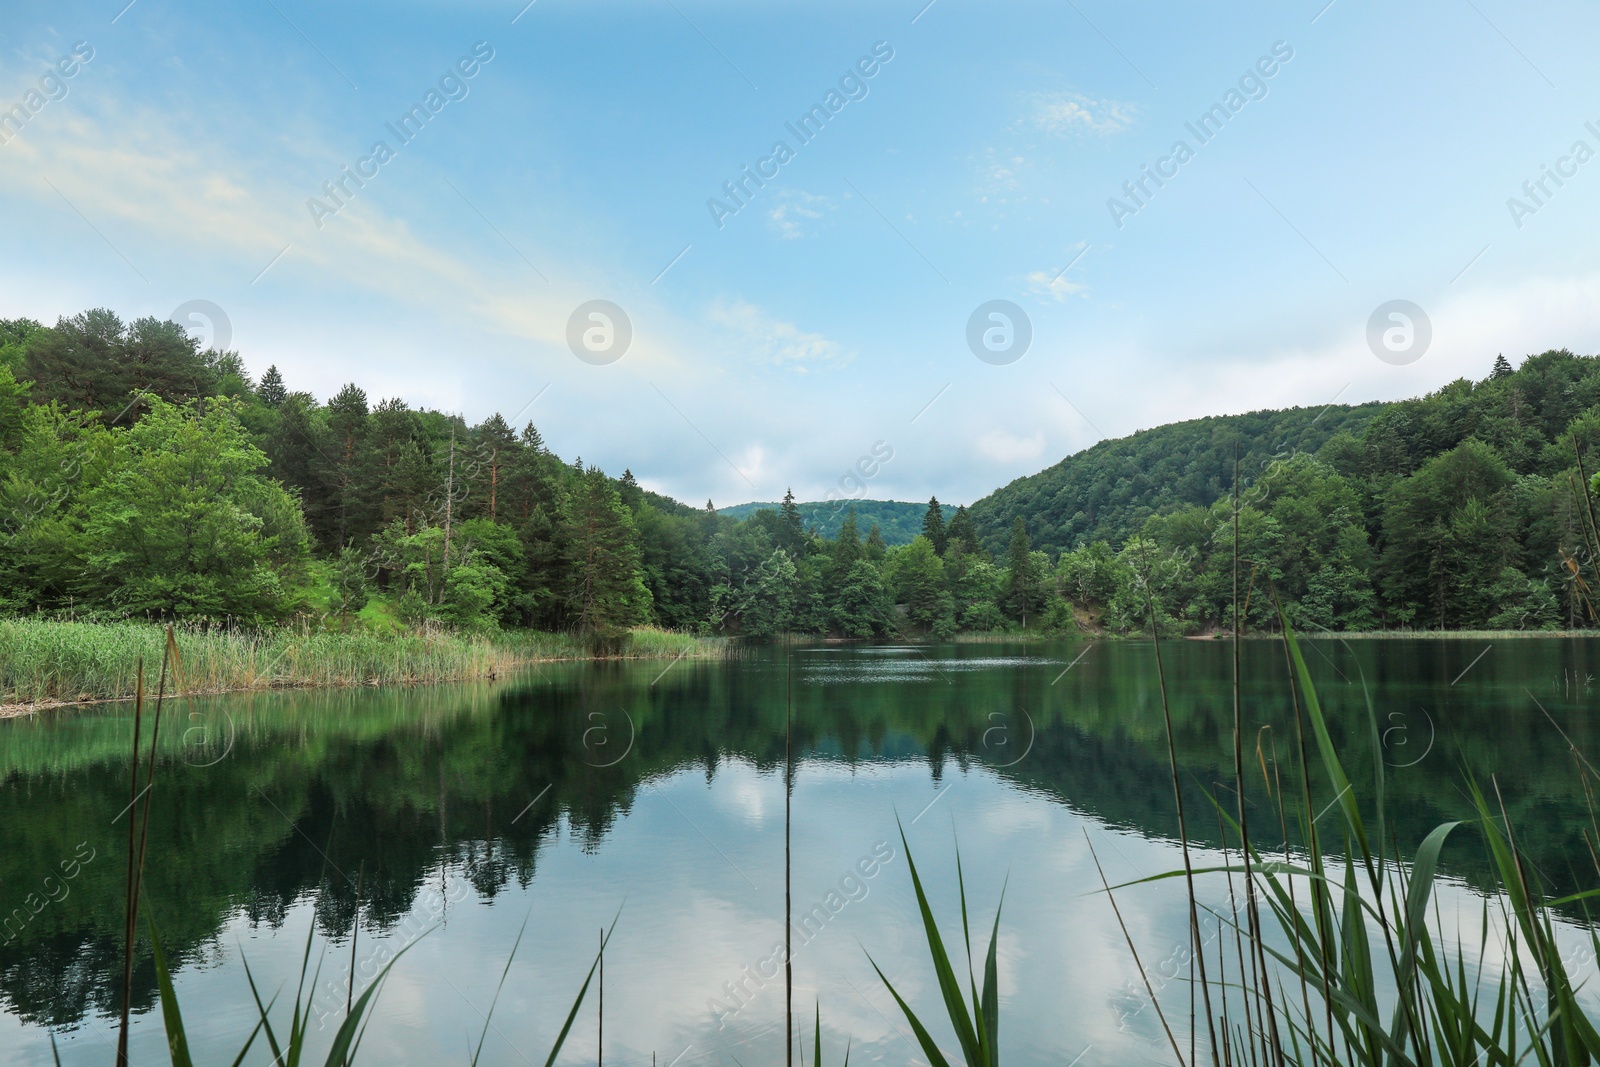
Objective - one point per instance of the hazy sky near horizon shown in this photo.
(1368, 153)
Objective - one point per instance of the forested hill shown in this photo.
(1107, 491)
(142, 477)
(898, 521)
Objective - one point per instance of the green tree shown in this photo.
(1157, 578)
(497, 448)
(1090, 576)
(919, 584)
(14, 335)
(342, 469)
(628, 489)
(13, 403)
(791, 526)
(845, 551)
(861, 606)
(875, 549)
(1524, 603)
(186, 525)
(271, 390)
(963, 534)
(1430, 532)
(762, 604)
(605, 582)
(350, 588)
(60, 457)
(1024, 580)
(933, 525)
(977, 593)
(95, 362)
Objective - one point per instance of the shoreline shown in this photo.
(48, 665)
(69, 664)
(15, 711)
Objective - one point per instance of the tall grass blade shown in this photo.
(566, 1027)
(977, 1026)
(177, 1040)
(501, 985)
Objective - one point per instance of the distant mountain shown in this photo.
(898, 521)
(1105, 492)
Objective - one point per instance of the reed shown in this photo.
(48, 662)
(1352, 968)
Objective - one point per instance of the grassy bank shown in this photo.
(45, 662)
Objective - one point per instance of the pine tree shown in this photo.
(628, 488)
(605, 582)
(271, 390)
(845, 550)
(791, 525)
(1019, 584)
(497, 448)
(1502, 367)
(933, 526)
(347, 422)
(962, 534)
(876, 549)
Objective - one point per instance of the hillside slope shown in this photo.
(897, 520)
(1105, 492)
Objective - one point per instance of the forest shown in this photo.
(143, 477)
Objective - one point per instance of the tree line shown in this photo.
(143, 476)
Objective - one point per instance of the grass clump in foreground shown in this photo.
(1334, 960)
(48, 661)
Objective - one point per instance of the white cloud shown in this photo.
(773, 340)
(1000, 171)
(1076, 113)
(1055, 286)
(794, 208)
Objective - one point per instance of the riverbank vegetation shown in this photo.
(143, 478)
(53, 662)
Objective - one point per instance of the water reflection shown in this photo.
(587, 789)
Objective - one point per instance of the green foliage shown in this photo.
(1025, 576)
(605, 585)
(933, 527)
(95, 362)
(1387, 515)
(14, 335)
(170, 517)
(917, 577)
(1352, 943)
(900, 521)
(763, 605)
(1381, 516)
(349, 582)
(1107, 491)
(860, 606)
(976, 1024)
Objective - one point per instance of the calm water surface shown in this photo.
(585, 793)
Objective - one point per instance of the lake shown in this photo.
(651, 795)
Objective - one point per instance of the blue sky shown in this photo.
(827, 316)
